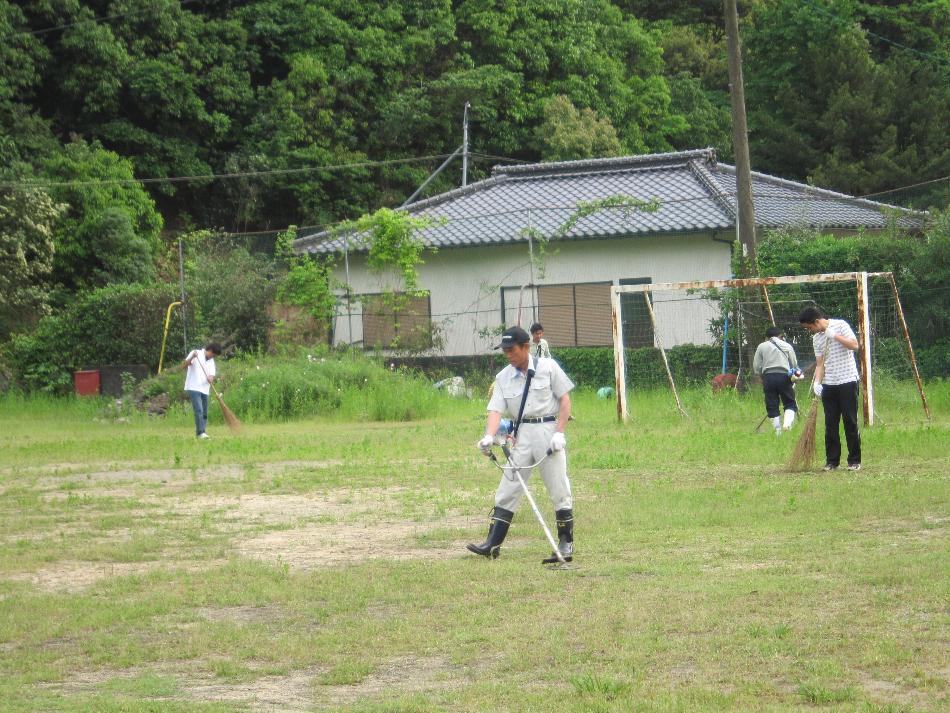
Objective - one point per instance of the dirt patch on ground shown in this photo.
(285, 465)
(399, 676)
(97, 478)
(255, 507)
(288, 508)
(888, 692)
(328, 545)
(926, 527)
(74, 576)
(241, 614)
(292, 692)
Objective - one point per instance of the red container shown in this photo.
(86, 382)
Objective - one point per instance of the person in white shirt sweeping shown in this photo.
(201, 372)
(836, 383)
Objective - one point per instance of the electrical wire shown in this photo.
(241, 174)
(103, 18)
(846, 21)
(904, 188)
(221, 176)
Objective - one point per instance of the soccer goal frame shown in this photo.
(859, 279)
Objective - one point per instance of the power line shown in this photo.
(904, 188)
(221, 176)
(103, 18)
(241, 174)
(928, 55)
(497, 158)
(550, 207)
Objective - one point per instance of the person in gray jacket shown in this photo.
(775, 361)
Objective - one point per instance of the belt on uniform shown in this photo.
(542, 419)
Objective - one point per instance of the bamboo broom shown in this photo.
(229, 418)
(803, 455)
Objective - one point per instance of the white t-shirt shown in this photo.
(540, 348)
(840, 365)
(548, 385)
(195, 378)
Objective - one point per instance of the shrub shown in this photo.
(230, 290)
(118, 324)
(349, 384)
(593, 367)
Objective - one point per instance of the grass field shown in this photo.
(320, 565)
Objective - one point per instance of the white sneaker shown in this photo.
(204, 435)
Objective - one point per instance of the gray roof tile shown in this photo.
(695, 193)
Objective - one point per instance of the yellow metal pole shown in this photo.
(168, 316)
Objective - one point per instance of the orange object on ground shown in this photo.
(86, 383)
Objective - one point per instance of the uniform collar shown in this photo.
(532, 366)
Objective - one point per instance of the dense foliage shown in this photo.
(921, 267)
(119, 324)
(185, 89)
(255, 115)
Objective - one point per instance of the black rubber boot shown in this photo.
(565, 537)
(499, 522)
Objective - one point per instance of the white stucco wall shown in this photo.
(464, 283)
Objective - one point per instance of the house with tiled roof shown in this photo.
(487, 269)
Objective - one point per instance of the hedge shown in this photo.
(119, 324)
(594, 366)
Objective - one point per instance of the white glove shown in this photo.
(486, 443)
(558, 441)
(817, 388)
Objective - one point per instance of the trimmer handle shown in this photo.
(507, 451)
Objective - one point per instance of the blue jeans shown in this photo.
(199, 403)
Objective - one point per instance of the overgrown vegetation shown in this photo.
(293, 101)
(323, 563)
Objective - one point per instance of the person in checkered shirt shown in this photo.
(836, 383)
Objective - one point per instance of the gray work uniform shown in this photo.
(548, 385)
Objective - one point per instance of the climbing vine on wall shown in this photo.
(626, 204)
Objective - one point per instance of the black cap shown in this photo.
(512, 336)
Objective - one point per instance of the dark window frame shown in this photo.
(427, 342)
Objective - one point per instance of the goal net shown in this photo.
(704, 334)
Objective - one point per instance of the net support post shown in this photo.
(620, 366)
(864, 331)
(659, 344)
(910, 347)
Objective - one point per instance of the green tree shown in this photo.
(229, 289)
(308, 283)
(23, 61)
(568, 133)
(824, 107)
(110, 232)
(27, 220)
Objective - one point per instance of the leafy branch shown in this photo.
(628, 205)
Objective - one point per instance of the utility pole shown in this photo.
(745, 215)
(184, 305)
(465, 145)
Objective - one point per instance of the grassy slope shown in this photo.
(708, 578)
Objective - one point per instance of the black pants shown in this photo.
(841, 403)
(777, 385)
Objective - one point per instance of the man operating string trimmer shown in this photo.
(535, 393)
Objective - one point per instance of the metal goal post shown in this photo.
(858, 279)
